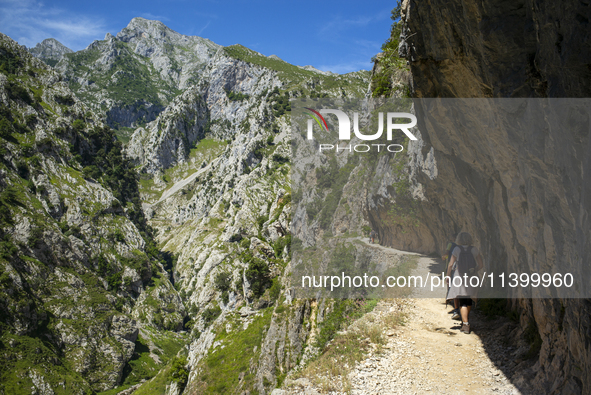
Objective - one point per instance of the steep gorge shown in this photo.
(212, 172)
(213, 153)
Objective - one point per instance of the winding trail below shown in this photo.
(430, 354)
(184, 182)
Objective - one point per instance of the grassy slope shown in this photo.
(295, 76)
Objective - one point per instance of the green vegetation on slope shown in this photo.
(306, 81)
(204, 151)
(129, 80)
(389, 62)
(286, 70)
(62, 274)
(362, 334)
(144, 366)
(221, 368)
(330, 178)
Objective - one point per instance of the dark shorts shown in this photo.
(465, 302)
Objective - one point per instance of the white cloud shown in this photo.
(338, 26)
(368, 45)
(342, 34)
(30, 22)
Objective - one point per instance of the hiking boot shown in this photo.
(465, 328)
(456, 316)
(453, 311)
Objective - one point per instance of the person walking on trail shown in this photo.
(469, 261)
(446, 258)
(372, 236)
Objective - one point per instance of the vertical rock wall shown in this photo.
(533, 208)
(521, 48)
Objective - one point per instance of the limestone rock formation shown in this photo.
(50, 51)
(211, 141)
(519, 49)
(217, 165)
(131, 77)
(509, 197)
(76, 263)
(177, 57)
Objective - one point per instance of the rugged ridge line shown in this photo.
(214, 182)
(133, 76)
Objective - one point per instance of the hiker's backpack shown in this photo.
(466, 260)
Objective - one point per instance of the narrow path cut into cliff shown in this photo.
(429, 354)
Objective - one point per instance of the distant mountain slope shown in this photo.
(132, 77)
(50, 51)
(240, 90)
(215, 175)
(214, 180)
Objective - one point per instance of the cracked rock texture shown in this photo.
(152, 61)
(50, 51)
(76, 280)
(526, 199)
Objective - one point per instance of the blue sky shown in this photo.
(340, 36)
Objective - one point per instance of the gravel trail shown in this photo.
(428, 354)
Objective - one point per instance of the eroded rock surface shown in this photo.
(526, 198)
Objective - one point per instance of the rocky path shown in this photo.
(429, 354)
(184, 182)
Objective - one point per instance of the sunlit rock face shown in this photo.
(50, 51)
(132, 77)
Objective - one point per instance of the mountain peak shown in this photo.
(50, 51)
(51, 43)
(142, 23)
(145, 28)
(153, 38)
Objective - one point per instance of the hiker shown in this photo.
(372, 235)
(469, 261)
(446, 258)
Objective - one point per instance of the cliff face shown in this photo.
(79, 277)
(131, 77)
(498, 49)
(177, 58)
(213, 158)
(215, 169)
(527, 199)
